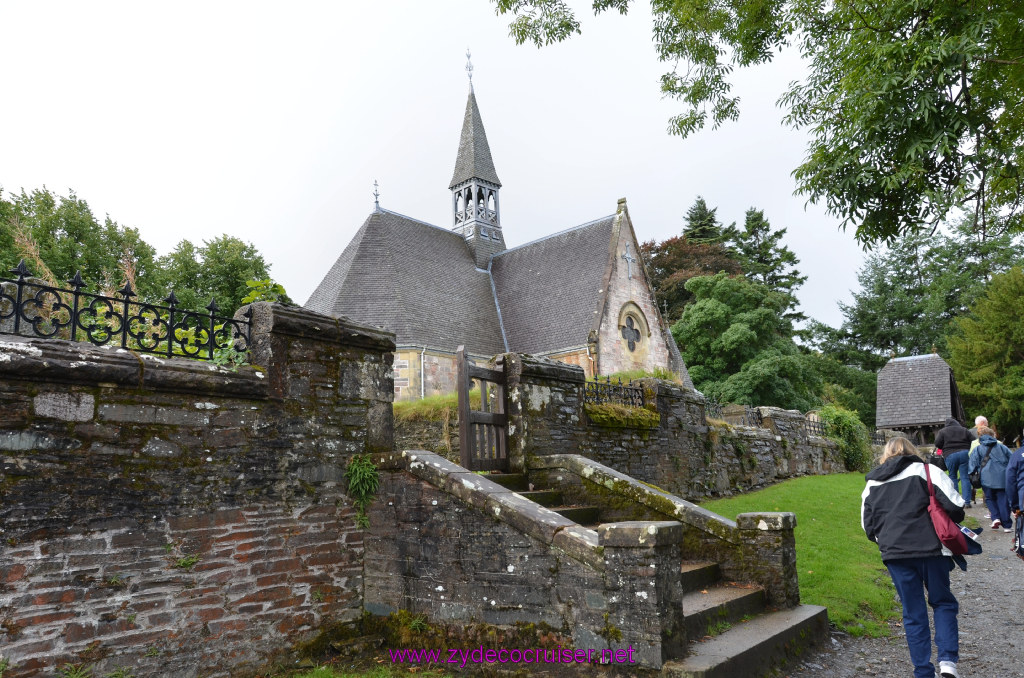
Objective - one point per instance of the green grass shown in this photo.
(434, 408)
(838, 567)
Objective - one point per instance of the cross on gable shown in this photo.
(629, 258)
(630, 333)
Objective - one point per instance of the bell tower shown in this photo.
(475, 207)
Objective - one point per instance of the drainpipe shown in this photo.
(422, 385)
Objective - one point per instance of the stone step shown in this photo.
(513, 481)
(698, 575)
(754, 648)
(546, 498)
(582, 515)
(715, 609)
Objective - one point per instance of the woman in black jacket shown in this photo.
(894, 514)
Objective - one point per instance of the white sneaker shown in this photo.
(948, 670)
(1007, 529)
(995, 524)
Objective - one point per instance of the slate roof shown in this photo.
(474, 157)
(916, 391)
(549, 290)
(416, 280)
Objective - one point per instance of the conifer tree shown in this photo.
(766, 260)
(987, 352)
(702, 225)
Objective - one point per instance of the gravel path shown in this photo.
(991, 596)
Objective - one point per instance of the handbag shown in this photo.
(975, 475)
(946, 530)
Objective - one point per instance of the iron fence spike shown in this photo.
(22, 270)
(77, 281)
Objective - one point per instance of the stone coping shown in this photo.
(274, 318)
(663, 502)
(78, 362)
(543, 524)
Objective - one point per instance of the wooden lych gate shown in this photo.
(483, 433)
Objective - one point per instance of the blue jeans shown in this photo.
(998, 507)
(911, 577)
(958, 462)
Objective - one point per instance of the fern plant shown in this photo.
(363, 480)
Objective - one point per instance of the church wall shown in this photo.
(440, 372)
(580, 358)
(178, 518)
(629, 294)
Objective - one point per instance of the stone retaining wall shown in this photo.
(174, 517)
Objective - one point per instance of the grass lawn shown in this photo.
(838, 567)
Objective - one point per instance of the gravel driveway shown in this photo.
(991, 595)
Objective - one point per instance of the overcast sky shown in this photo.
(271, 121)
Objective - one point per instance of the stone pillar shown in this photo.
(769, 555)
(643, 589)
(317, 358)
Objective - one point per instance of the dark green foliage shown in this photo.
(362, 480)
(218, 269)
(765, 260)
(911, 292)
(702, 224)
(911, 107)
(69, 239)
(843, 427)
(738, 345)
(848, 387)
(987, 353)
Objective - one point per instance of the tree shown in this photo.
(911, 106)
(672, 262)
(765, 260)
(738, 345)
(986, 352)
(702, 225)
(911, 292)
(218, 270)
(66, 237)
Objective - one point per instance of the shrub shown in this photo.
(844, 428)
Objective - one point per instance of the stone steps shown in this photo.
(729, 631)
(753, 648)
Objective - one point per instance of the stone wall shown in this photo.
(462, 550)
(177, 518)
(682, 454)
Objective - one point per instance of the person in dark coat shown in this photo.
(894, 515)
(955, 442)
(1015, 482)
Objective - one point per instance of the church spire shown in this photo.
(474, 186)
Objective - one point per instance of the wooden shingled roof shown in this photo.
(917, 391)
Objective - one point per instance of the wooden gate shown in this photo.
(483, 433)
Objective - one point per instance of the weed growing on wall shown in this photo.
(621, 416)
(844, 428)
(5, 664)
(363, 480)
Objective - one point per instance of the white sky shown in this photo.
(270, 122)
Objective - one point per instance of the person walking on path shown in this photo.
(993, 458)
(894, 515)
(955, 441)
(979, 421)
(1015, 482)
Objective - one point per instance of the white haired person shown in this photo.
(894, 515)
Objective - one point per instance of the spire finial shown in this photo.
(469, 69)
(376, 196)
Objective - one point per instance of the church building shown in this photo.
(580, 295)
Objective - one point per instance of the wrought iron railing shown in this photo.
(712, 409)
(878, 438)
(814, 427)
(607, 392)
(29, 307)
(749, 416)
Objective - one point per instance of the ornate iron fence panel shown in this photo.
(814, 427)
(878, 438)
(620, 394)
(29, 307)
(712, 409)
